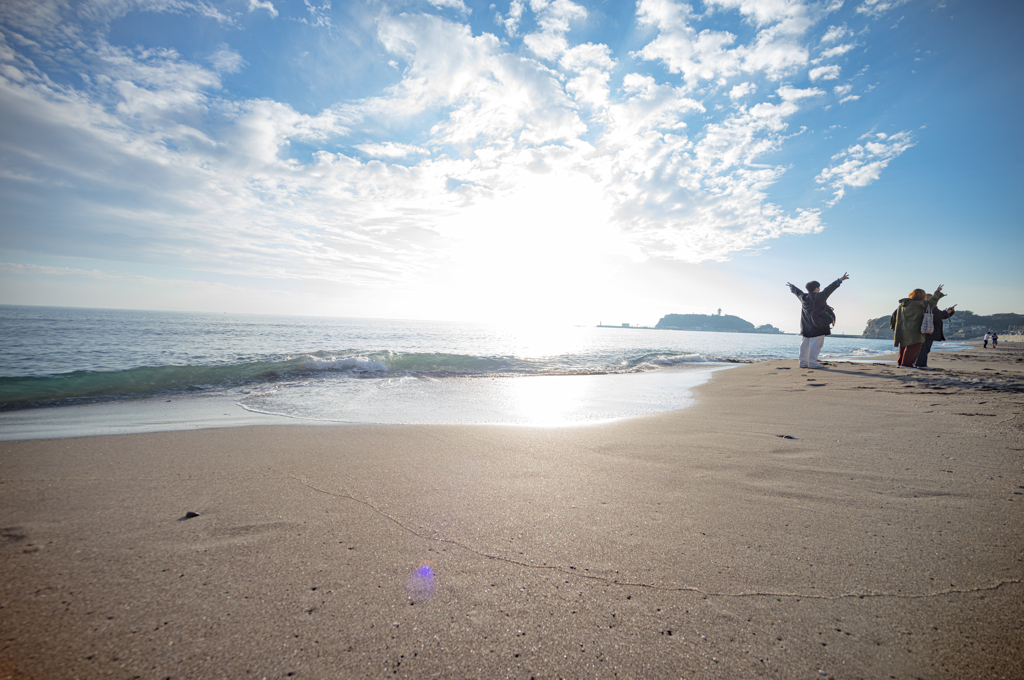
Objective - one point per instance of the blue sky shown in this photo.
(530, 160)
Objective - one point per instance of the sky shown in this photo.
(526, 161)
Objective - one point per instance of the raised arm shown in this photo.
(831, 288)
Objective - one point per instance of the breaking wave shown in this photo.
(18, 392)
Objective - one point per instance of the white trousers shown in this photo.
(809, 348)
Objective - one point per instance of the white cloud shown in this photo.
(593, 64)
(226, 60)
(775, 53)
(836, 51)
(698, 199)
(154, 68)
(105, 11)
(742, 90)
(553, 18)
(457, 5)
(876, 8)
(862, 164)
(707, 55)
(391, 150)
(765, 12)
(824, 73)
(319, 15)
(144, 103)
(835, 33)
(697, 56)
(515, 15)
(446, 160)
(494, 94)
(262, 4)
(583, 57)
(794, 94)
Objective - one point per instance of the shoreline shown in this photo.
(595, 404)
(497, 404)
(883, 540)
(285, 367)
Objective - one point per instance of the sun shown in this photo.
(536, 253)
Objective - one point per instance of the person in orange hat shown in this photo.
(906, 324)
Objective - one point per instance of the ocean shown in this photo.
(63, 364)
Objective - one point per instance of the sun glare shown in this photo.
(537, 254)
(548, 401)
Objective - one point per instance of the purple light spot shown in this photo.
(421, 582)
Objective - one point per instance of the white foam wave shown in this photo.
(359, 364)
(860, 352)
(680, 359)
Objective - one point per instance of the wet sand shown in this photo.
(859, 522)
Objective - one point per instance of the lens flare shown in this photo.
(421, 583)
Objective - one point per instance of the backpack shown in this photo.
(830, 314)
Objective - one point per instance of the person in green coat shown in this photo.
(906, 324)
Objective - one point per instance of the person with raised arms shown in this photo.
(816, 319)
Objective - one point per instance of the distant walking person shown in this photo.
(988, 336)
(936, 335)
(995, 340)
(906, 324)
(815, 319)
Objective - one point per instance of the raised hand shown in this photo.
(844, 276)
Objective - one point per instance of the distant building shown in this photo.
(625, 325)
(719, 311)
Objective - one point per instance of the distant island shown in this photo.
(712, 322)
(964, 325)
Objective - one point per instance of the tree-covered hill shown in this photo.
(964, 325)
(711, 322)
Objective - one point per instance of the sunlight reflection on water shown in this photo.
(540, 401)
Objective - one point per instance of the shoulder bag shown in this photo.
(928, 322)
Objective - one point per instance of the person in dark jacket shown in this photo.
(815, 319)
(939, 315)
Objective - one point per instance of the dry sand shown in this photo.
(884, 540)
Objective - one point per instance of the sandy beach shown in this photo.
(859, 522)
